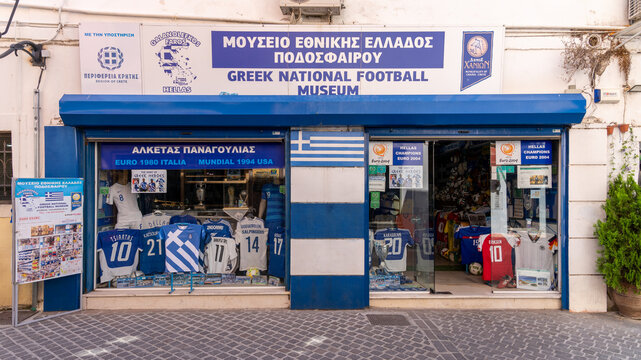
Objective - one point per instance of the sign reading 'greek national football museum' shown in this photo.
(300, 60)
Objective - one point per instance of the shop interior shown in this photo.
(190, 228)
(469, 226)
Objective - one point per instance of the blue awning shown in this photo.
(287, 111)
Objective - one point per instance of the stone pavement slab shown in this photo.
(284, 334)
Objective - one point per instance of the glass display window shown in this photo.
(464, 217)
(191, 215)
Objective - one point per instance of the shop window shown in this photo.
(463, 217)
(210, 214)
(6, 167)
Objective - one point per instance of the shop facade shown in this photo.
(338, 202)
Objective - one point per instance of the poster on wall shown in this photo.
(508, 152)
(110, 59)
(149, 181)
(534, 177)
(380, 153)
(406, 177)
(48, 221)
(290, 59)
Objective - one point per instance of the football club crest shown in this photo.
(173, 53)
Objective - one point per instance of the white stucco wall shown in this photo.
(532, 64)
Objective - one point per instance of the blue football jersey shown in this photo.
(277, 245)
(469, 237)
(396, 240)
(182, 246)
(183, 219)
(275, 204)
(118, 252)
(152, 258)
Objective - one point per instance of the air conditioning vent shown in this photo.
(311, 7)
(634, 10)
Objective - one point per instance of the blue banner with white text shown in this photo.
(172, 156)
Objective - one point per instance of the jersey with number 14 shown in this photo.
(251, 234)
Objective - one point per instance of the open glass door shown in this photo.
(401, 233)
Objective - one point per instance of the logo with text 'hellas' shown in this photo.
(110, 58)
(174, 52)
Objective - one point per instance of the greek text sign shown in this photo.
(319, 60)
(48, 228)
(192, 156)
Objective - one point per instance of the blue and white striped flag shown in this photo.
(54, 196)
(327, 148)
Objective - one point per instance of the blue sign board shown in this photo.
(172, 156)
(408, 154)
(318, 50)
(536, 152)
(477, 57)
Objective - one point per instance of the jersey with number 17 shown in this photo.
(277, 252)
(251, 234)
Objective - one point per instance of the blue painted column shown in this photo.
(327, 248)
(63, 156)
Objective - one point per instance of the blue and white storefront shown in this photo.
(320, 97)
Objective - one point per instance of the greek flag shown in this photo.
(181, 251)
(54, 196)
(327, 148)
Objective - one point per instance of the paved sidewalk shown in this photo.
(429, 334)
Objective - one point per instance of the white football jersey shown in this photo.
(219, 253)
(153, 220)
(251, 234)
(534, 255)
(125, 201)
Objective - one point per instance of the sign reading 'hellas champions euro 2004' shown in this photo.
(192, 156)
(294, 60)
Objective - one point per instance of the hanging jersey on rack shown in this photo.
(424, 238)
(469, 238)
(155, 220)
(152, 257)
(220, 255)
(118, 252)
(251, 234)
(277, 252)
(182, 244)
(185, 219)
(218, 228)
(396, 240)
(497, 256)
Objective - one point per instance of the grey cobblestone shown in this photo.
(432, 334)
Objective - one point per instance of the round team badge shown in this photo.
(75, 197)
(507, 149)
(379, 149)
(477, 46)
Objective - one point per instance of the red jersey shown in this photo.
(441, 220)
(497, 256)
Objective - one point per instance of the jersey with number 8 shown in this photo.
(118, 252)
(497, 256)
(251, 234)
(152, 258)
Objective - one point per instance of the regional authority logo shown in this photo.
(174, 59)
(477, 46)
(110, 58)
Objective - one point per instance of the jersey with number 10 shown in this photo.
(118, 253)
(497, 256)
(152, 258)
(251, 234)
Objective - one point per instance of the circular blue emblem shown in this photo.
(110, 58)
